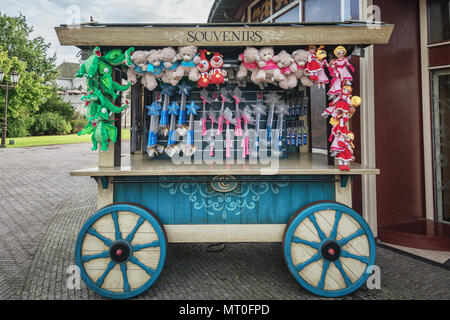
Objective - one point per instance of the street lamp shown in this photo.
(14, 76)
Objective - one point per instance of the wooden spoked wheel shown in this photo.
(121, 250)
(328, 248)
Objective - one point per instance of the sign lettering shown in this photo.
(224, 36)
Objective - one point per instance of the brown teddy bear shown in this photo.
(288, 67)
(173, 71)
(301, 58)
(268, 70)
(249, 59)
(189, 60)
(147, 65)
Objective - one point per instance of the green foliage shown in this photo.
(50, 123)
(55, 104)
(15, 39)
(78, 123)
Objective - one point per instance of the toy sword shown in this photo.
(228, 117)
(172, 147)
(212, 140)
(205, 98)
(153, 148)
(189, 148)
(185, 90)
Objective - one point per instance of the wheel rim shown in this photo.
(328, 248)
(120, 251)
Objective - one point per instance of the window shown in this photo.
(331, 10)
(441, 133)
(292, 15)
(438, 20)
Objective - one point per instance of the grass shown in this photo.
(52, 140)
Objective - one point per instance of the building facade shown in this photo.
(405, 115)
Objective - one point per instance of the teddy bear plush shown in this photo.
(249, 59)
(288, 67)
(189, 60)
(173, 71)
(301, 58)
(268, 70)
(138, 66)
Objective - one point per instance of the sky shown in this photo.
(44, 15)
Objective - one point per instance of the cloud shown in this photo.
(44, 15)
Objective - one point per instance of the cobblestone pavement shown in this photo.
(42, 214)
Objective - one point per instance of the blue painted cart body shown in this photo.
(253, 199)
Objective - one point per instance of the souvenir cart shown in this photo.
(221, 148)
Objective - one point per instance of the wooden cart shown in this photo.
(303, 201)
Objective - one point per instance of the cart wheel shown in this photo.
(328, 248)
(121, 250)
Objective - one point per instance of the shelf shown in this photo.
(307, 164)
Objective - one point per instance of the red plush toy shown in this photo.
(203, 68)
(217, 74)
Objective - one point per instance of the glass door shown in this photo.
(441, 128)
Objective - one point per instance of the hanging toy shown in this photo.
(185, 90)
(345, 156)
(166, 92)
(217, 74)
(211, 139)
(340, 66)
(258, 110)
(153, 148)
(172, 147)
(248, 119)
(322, 78)
(281, 111)
(313, 66)
(189, 148)
(224, 96)
(205, 98)
(272, 99)
(237, 96)
(228, 116)
(203, 68)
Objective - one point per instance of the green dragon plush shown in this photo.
(103, 91)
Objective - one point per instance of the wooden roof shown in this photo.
(222, 35)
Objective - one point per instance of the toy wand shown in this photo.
(281, 111)
(228, 116)
(224, 96)
(189, 148)
(153, 148)
(167, 92)
(172, 147)
(205, 98)
(258, 110)
(212, 140)
(184, 89)
(272, 99)
(237, 96)
(248, 119)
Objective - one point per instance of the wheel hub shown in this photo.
(330, 250)
(120, 251)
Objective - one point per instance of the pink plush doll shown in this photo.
(345, 155)
(288, 67)
(301, 58)
(322, 78)
(268, 69)
(313, 66)
(340, 66)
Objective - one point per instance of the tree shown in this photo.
(14, 38)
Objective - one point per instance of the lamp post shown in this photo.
(14, 76)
